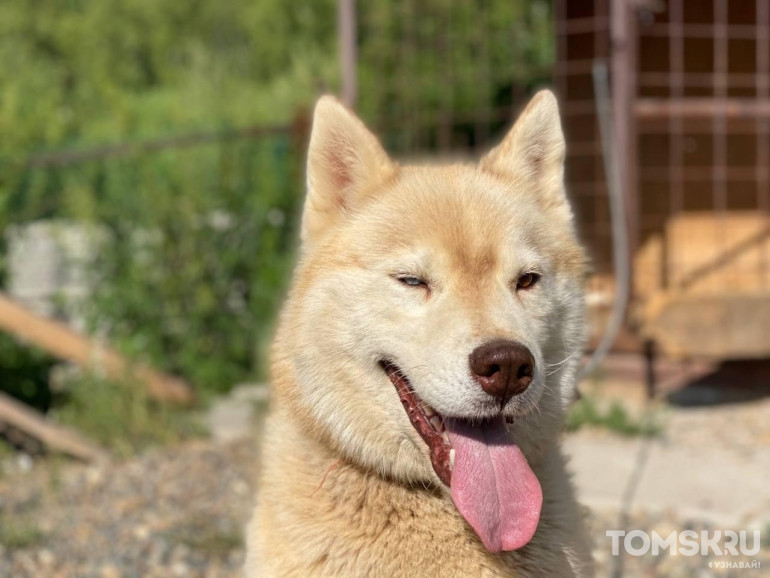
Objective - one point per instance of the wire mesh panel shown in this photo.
(703, 108)
(448, 75)
(583, 37)
(692, 112)
(701, 105)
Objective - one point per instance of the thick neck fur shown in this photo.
(318, 514)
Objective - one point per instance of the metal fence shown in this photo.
(691, 99)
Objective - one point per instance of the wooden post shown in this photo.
(64, 343)
(31, 422)
(649, 368)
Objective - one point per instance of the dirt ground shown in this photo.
(180, 511)
(707, 470)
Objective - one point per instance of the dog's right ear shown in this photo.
(534, 151)
(344, 163)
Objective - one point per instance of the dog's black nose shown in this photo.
(502, 368)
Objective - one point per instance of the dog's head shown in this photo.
(434, 304)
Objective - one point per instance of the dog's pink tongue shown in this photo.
(493, 486)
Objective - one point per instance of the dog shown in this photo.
(423, 364)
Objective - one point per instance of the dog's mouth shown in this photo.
(490, 480)
(428, 423)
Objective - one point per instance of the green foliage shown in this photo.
(103, 71)
(6, 452)
(588, 412)
(24, 372)
(121, 418)
(466, 63)
(195, 261)
(197, 241)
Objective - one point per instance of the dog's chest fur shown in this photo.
(328, 518)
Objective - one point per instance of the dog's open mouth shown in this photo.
(428, 423)
(490, 480)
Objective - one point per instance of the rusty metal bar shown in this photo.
(481, 126)
(346, 30)
(698, 125)
(577, 107)
(650, 108)
(763, 126)
(699, 173)
(575, 67)
(719, 191)
(732, 31)
(623, 66)
(412, 121)
(675, 171)
(447, 94)
(593, 23)
(601, 10)
(589, 189)
(561, 67)
(588, 148)
(699, 80)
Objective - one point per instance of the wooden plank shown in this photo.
(706, 253)
(64, 343)
(713, 326)
(55, 436)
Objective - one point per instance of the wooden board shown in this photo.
(64, 343)
(702, 286)
(715, 326)
(706, 253)
(55, 436)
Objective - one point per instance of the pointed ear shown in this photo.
(533, 150)
(344, 163)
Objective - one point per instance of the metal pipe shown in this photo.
(620, 252)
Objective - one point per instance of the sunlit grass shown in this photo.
(588, 412)
(122, 418)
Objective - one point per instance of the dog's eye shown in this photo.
(527, 281)
(412, 281)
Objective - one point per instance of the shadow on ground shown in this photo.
(730, 382)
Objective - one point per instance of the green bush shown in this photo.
(24, 372)
(198, 241)
(588, 412)
(193, 251)
(121, 418)
(191, 273)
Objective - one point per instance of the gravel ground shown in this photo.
(664, 564)
(180, 511)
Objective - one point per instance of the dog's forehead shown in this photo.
(459, 211)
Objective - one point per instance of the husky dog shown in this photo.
(423, 364)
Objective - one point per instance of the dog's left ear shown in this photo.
(533, 152)
(345, 163)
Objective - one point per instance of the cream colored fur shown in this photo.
(347, 487)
